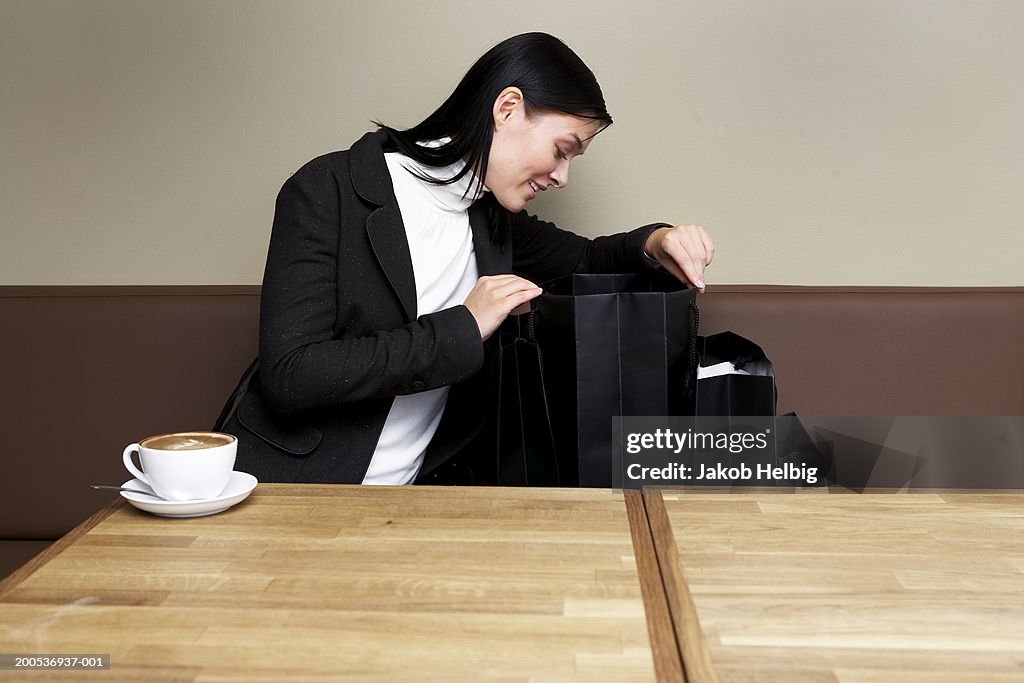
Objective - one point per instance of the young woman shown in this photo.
(392, 263)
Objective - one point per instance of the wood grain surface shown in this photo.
(317, 582)
(854, 588)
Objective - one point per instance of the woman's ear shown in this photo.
(508, 104)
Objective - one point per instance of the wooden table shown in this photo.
(317, 582)
(922, 587)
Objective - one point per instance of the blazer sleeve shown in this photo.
(541, 251)
(304, 362)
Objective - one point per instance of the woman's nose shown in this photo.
(560, 175)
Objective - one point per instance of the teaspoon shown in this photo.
(122, 488)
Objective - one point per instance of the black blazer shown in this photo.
(340, 336)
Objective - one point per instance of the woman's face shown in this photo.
(531, 153)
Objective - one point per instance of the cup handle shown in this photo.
(127, 457)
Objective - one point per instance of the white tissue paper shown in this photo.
(725, 368)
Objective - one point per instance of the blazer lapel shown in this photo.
(384, 226)
(491, 258)
(386, 231)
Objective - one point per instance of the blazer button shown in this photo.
(418, 385)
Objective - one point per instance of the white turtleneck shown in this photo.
(444, 266)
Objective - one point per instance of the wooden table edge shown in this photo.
(692, 644)
(24, 571)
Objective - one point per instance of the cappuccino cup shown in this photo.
(184, 465)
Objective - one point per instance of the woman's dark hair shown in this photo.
(551, 77)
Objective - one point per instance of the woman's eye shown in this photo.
(560, 154)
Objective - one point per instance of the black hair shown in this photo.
(551, 77)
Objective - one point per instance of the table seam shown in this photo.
(692, 644)
(668, 662)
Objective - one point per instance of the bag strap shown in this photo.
(691, 371)
(531, 336)
(241, 388)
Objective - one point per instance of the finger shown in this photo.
(693, 241)
(709, 246)
(692, 268)
(510, 287)
(491, 281)
(672, 268)
(519, 302)
(697, 237)
(527, 295)
(668, 262)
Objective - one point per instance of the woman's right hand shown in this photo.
(494, 297)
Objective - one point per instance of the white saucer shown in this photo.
(240, 485)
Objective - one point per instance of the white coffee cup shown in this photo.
(184, 465)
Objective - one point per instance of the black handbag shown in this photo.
(231, 405)
(264, 436)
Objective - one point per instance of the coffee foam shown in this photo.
(186, 441)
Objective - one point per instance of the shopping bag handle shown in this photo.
(691, 370)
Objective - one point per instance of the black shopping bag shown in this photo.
(747, 388)
(525, 443)
(736, 396)
(611, 345)
(736, 389)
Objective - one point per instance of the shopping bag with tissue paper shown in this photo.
(734, 377)
(736, 383)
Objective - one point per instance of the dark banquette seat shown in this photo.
(88, 369)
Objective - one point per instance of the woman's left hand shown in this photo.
(685, 251)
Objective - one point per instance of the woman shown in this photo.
(392, 263)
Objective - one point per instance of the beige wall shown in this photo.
(869, 142)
